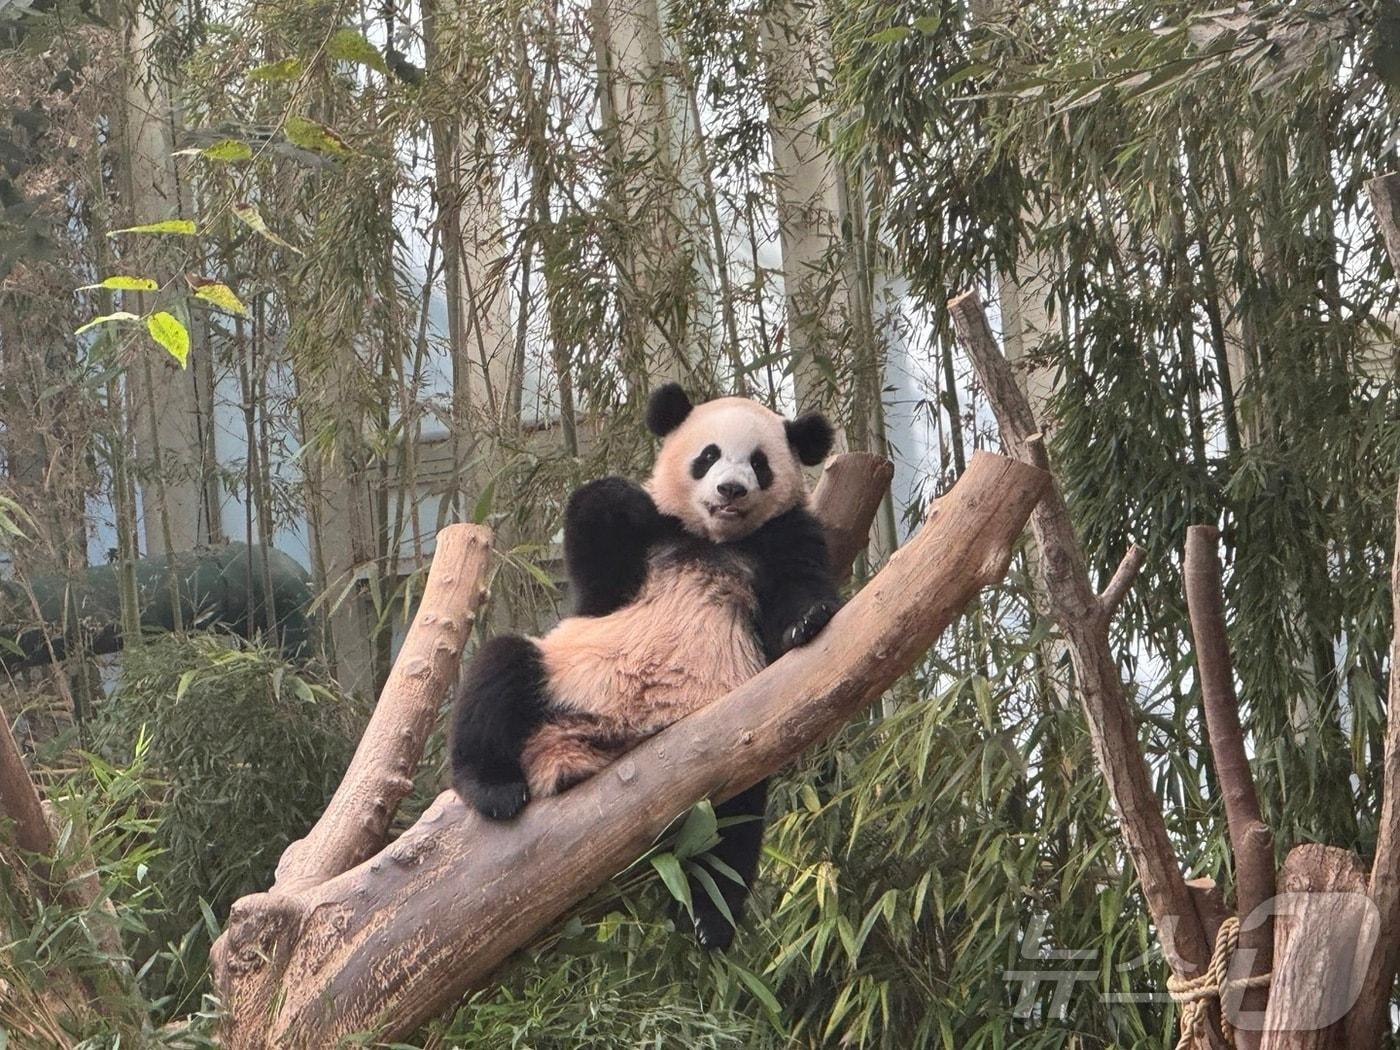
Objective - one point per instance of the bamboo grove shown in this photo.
(420, 262)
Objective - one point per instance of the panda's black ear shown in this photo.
(811, 435)
(667, 409)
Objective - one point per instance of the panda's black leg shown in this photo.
(501, 703)
(739, 847)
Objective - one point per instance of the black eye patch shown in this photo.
(701, 464)
(761, 470)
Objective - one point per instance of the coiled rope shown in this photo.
(1194, 994)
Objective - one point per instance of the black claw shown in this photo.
(713, 932)
(809, 625)
(499, 801)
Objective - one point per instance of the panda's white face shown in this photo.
(727, 469)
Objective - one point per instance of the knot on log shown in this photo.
(257, 925)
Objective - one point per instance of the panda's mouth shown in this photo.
(726, 511)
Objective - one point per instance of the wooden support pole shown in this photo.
(1251, 842)
(394, 941)
(1326, 929)
(1082, 620)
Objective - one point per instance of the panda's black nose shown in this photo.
(731, 490)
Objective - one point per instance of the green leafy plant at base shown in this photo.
(63, 986)
(249, 749)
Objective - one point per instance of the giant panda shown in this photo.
(683, 589)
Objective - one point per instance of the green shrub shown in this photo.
(249, 749)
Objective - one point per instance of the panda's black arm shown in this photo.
(795, 590)
(609, 526)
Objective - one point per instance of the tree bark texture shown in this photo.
(856, 482)
(1326, 931)
(1251, 842)
(388, 944)
(356, 820)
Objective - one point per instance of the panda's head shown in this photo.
(729, 465)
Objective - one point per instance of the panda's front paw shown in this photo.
(498, 801)
(809, 624)
(612, 503)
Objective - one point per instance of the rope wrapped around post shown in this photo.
(1193, 994)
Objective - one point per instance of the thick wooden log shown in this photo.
(1082, 620)
(1251, 842)
(392, 942)
(856, 482)
(356, 821)
(1326, 929)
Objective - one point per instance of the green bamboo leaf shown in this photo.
(120, 283)
(890, 36)
(308, 134)
(669, 868)
(285, 69)
(711, 888)
(350, 46)
(482, 510)
(173, 337)
(119, 315)
(228, 150)
(699, 832)
(184, 227)
(760, 990)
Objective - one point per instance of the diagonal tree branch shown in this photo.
(356, 820)
(1081, 619)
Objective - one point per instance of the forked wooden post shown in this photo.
(390, 943)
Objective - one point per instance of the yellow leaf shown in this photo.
(181, 226)
(120, 315)
(166, 330)
(249, 216)
(216, 292)
(119, 283)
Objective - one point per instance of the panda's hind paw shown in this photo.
(499, 801)
(809, 624)
(713, 931)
